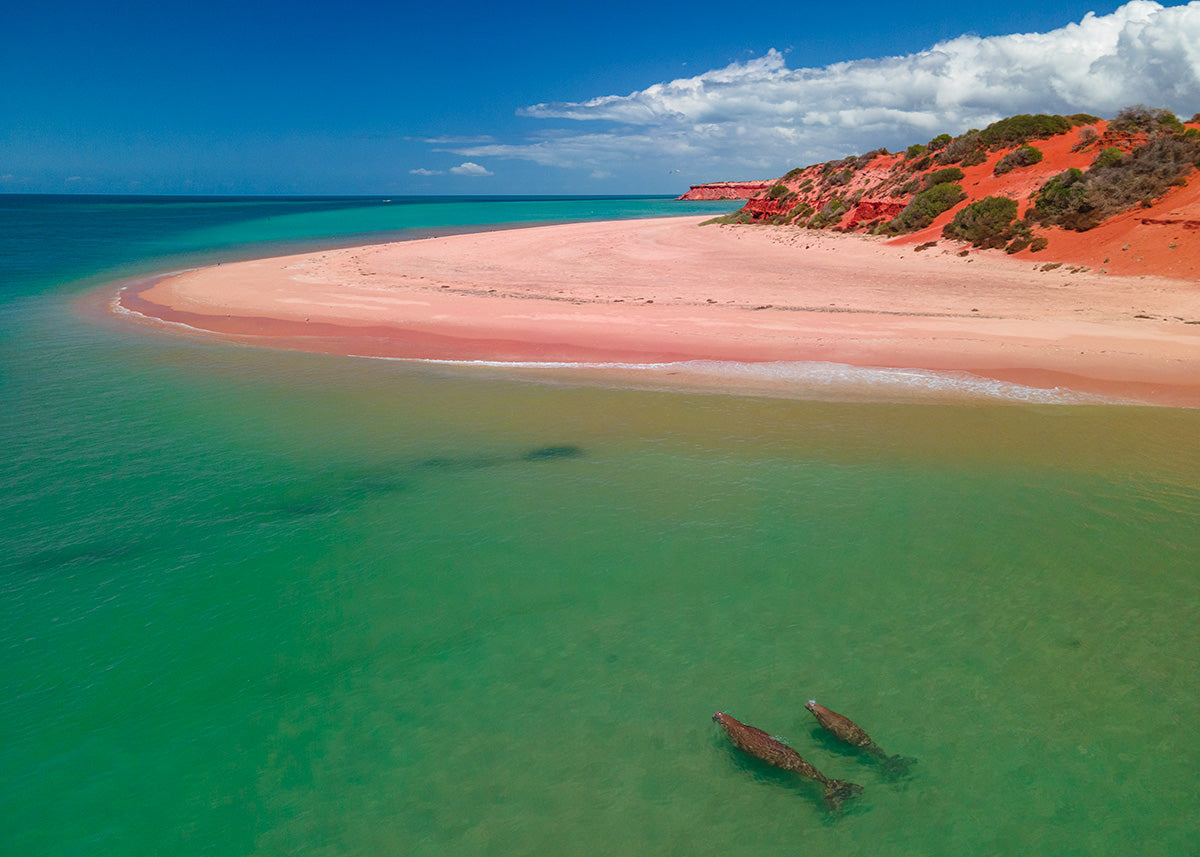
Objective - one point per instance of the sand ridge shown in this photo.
(670, 289)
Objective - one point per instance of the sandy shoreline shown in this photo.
(667, 290)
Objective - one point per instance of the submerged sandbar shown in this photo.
(669, 289)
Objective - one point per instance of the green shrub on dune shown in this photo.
(800, 210)
(1022, 156)
(1110, 157)
(1062, 201)
(926, 206)
(985, 223)
(960, 147)
(1140, 118)
(830, 213)
(942, 176)
(1022, 128)
(940, 142)
(974, 158)
(1077, 200)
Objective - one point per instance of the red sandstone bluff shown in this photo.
(726, 190)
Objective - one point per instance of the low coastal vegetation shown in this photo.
(925, 207)
(1081, 200)
(1022, 156)
(1016, 130)
(986, 222)
(1136, 157)
(1139, 117)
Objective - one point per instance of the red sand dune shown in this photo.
(1162, 240)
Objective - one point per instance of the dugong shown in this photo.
(845, 729)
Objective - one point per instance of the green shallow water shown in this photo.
(267, 603)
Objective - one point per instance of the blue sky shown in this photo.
(620, 97)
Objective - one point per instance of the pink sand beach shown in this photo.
(667, 290)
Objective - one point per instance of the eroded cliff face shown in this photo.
(859, 214)
(868, 193)
(850, 194)
(726, 190)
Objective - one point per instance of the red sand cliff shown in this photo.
(726, 190)
(1161, 238)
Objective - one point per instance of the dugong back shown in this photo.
(759, 744)
(839, 725)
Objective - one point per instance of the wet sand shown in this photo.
(668, 290)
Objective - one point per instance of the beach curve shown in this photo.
(669, 290)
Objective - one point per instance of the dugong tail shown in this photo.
(896, 767)
(837, 792)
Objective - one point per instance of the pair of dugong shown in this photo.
(774, 752)
(759, 744)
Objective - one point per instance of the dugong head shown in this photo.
(811, 705)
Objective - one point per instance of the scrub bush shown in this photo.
(985, 223)
(830, 213)
(864, 159)
(975, 158)
(735, 217)
(1139, 117)
(939, 142)
(1022, 128)
(961, 146)
(926, 206)
(948, 174)
(1087, 136)
(1018, 243)
(1079, 201)
(1021, 157)
(802, 209)
(840, 178)
(1062, 201)
(1110, 157)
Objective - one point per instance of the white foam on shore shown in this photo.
(800, 379)
(118, 308)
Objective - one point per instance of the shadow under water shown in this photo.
(330, 493)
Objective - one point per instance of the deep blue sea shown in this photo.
(266, 602)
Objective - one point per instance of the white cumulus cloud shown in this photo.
(470, 169)
(761, 114)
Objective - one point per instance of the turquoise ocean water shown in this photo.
(260, 602)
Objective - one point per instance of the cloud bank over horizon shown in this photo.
(760, 115)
